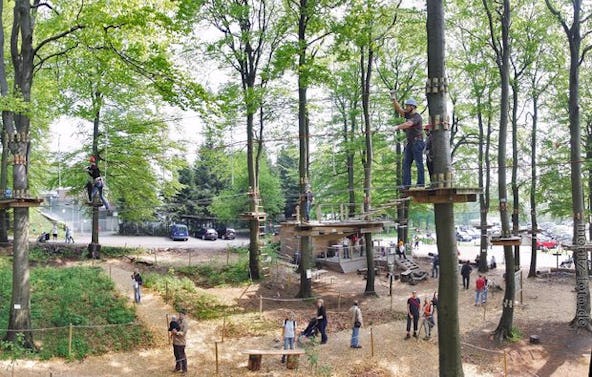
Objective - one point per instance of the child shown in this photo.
(289, 333)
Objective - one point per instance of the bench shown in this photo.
(255, 357)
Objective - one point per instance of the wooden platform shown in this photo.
(20, 202)
(261, 216)
(506, 241)
(442, 194)
(339, 228)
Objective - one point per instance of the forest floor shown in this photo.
(548, 306)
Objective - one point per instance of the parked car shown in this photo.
(463, 237)
(179, 232)
(207, 234)
(226, 233)
(546, 242)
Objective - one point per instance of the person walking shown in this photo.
(322, 320)
(428, 317)
(415, 145)
(436, 266)
(485, 290)
(54, 232)
(465, 271)
(179, 337)
(357, 324)
(137, 284)
(289, 333)
(413, 305)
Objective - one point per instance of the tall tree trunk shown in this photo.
(448, 322)
(306, 258)
(22, 53)
(7, 124)
(504, 328)
(366, 74)
(533, 188)
(582, 318)
(515, 192)
(483, 199)
(254, 194)
(350, 158)
(94, 248)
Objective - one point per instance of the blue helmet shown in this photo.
(411, 102)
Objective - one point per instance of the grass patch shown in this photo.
(184, 295)
(217, 274)
(82, 296)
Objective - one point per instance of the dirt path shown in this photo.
(547, 302)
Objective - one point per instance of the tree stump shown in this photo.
(254, 362)
(94, 250)
(292, 361)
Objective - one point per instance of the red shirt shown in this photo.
(480, 284)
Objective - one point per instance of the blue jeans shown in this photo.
(288, 344)
(413, 152)
(355, 338)
(478, 297)
(484, 296)
(137, 294)
(98, 188)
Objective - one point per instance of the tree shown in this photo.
(501, 48)
(250, 35)
(577, 53)
(448, 323)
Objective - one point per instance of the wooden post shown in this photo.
(155, 258)
(391, 303)
(216, 358)
(260, 306)
(223, 327)
(371, 342)
(70, 341)
(166, 291)
(189, 253)
(167, 326)
(505, 364)
(109, 271)
(339, 302)
(227, 256)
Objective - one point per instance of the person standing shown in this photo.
(413, 305)
(357, 324)
(401, 250)
(308, 199)
(479, 284)
(289, 333)
(415, 145)
(485, 290)
(429, 153)
(179, 336)
(322, 320)
(137, 284)
(69, 238)
(54, 232)
(436, 266)
(428, 317)
(465, 271)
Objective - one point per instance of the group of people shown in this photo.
(415, 310)
(68, 238)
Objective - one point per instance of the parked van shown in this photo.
(179, 232)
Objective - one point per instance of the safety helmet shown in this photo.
(411, 102)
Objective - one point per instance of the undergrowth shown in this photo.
(81, 296)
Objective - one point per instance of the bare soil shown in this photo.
(549, 305)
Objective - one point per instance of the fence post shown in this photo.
(505, 364)
(189, 253)
(260, 306)
(70, 341)
(372, 342)
(216, 358)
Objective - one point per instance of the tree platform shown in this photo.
(261, 216)
(506, 241)
(441, 195)
(20, 202)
